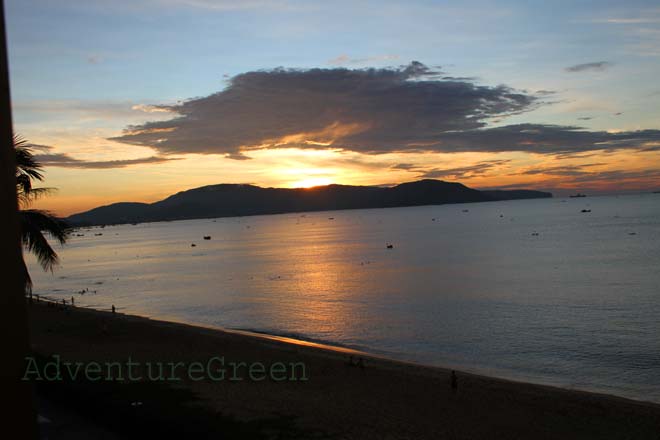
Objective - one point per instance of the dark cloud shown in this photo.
(597, 66)
(561, 170)
(62, 160)
(544, 139)
(404, 166)
(407, 109)
(364, 110)
(461, 172)
(649, 177)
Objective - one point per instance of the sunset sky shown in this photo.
(133, 100)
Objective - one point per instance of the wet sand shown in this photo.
(384, 399)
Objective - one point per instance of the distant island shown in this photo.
(233, 200)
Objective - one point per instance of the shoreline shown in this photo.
(363, 352)
(385, 398)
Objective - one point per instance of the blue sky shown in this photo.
(79, 67)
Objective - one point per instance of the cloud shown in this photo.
(561, 170)
(62, 160)
(404, 166)
(544, 139)
(634, 20)
(597, 66)
(477, 169)
(370, 111)
(150, 108)
(360, 110)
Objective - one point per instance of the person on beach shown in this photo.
(113, 308)
(454, 381)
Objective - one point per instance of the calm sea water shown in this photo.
(577, 305)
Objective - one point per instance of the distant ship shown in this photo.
(577, 195)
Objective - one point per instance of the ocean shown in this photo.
(531, 290)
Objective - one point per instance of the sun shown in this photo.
(311, 182)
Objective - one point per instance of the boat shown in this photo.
(578, 195)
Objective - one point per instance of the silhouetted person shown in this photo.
(113, 308)
(73, 301)
(454, 381)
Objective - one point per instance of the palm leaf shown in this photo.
(33, 223)
(25, 163)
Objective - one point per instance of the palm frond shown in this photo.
(25, 163)
(33, 223)
(27, 197)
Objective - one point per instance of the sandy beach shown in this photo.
(333, 397)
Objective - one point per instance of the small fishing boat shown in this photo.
(576, 196)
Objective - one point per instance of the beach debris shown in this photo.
(97, 234)
(331, 218)
(207, 237)
(192, 245)
(390, 246)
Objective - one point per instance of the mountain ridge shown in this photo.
(233, 200)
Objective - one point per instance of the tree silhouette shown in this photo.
(34, 222)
